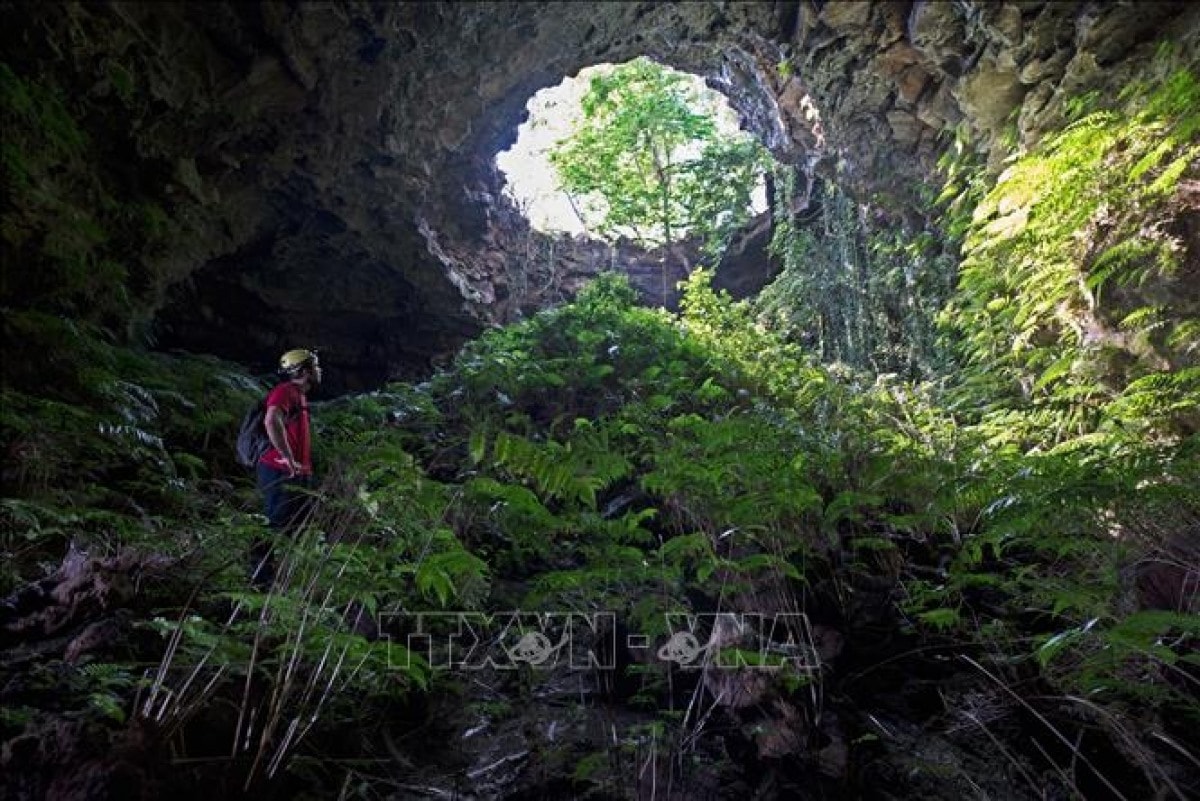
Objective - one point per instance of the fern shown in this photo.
(574, 471)
(441, 575)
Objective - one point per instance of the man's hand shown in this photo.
(277, 433)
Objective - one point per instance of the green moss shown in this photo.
(79, 239)
(37, 121)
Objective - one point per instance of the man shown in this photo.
(286, 470)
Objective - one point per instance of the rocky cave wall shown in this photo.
(327, 168)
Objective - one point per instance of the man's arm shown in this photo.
(277, 433)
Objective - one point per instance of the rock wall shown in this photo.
(326, 169)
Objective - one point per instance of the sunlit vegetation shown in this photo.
(648, 162)
(1072, 315)
(989, 484)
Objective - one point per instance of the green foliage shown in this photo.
(647, 161)
(1061, 256)
(30, 106)
(965, 183)
(113, 448)
(573, 471)
(600, 456)
(759, 360)
(736, 473)
(852, 289)
(77, 241)
(779, 454)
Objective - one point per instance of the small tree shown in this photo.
(648, 162)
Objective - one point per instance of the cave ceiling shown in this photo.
(328, 166)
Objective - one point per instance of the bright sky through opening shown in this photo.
(553, 113)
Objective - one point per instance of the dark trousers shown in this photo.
(286, 505)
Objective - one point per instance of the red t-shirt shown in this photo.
(294, 406)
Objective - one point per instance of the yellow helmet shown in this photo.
(294, 361)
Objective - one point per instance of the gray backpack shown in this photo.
(252, 440)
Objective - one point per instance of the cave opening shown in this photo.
(534, 185)
(912, 521)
